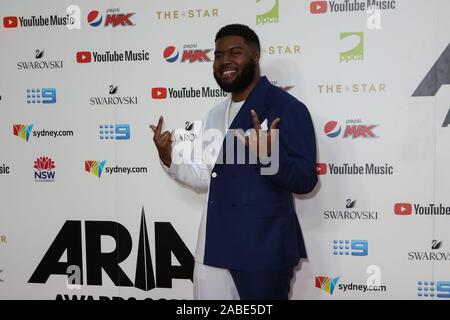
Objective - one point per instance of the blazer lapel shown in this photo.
(256, 101)
(243, 119)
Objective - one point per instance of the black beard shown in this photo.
(242, 81)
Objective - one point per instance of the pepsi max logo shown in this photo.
(354, 129)
(94, 18)
(170, 54)
(113, 18)
(332, 129)
(189, 53)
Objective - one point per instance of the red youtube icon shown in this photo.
(10, 22)
(318, 7)
(403, 209)
(159, 93)
(84, 57)
(321, 169)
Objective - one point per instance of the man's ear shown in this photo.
(256, 56)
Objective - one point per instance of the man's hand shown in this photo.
(163, 142)
(259, 141)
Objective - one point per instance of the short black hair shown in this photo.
(241, 30)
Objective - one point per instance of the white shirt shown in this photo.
(233, 109)
(198, 176)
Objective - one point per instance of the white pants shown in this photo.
(211, 283)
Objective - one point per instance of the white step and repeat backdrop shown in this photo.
(86, 211)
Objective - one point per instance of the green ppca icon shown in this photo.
(267, 11)
(357, 53)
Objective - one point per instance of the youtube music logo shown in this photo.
(10, 22)
(317, 7)
(187, 93)
(112, 56)
(403, 209)
(321, 169)
(431, 209)
(159, 93)
(84, 57)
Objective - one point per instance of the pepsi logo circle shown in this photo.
(170, 54)
(94, 18)
(332, 129)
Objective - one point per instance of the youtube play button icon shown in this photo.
(403, 209)
(10, 22)
(318, 7)
(321, 169)
(84, 57)
(159, 93)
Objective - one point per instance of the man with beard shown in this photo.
(249, 238)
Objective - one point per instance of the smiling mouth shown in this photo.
(228, 73)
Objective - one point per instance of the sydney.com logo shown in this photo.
(329, 285)
(98, 167)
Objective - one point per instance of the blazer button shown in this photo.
(234, 205)
(214, 174)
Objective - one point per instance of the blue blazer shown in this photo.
(251, 219)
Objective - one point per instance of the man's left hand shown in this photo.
(259, 142)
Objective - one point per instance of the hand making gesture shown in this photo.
(259, 141)
(163, 142)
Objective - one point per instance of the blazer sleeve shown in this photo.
(193, 172)
(297, 151)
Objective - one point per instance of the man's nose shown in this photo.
(227, 58)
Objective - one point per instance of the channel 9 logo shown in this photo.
(44, 95)
(114, 131)
(431, 289)
(356, 248)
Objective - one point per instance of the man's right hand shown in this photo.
(163, 142)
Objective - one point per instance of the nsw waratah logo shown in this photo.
(44, 169)
(171, 54)
(332, 129)
(94, 167)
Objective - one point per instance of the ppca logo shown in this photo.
(356, 53)
(267, 11)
